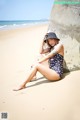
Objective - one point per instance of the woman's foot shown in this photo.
(20, 88)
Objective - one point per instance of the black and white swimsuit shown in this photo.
(56, 63)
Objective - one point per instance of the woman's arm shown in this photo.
(42, 49)
(52, 53)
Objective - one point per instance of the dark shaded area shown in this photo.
(47, 81)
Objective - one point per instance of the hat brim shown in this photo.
(50, 38)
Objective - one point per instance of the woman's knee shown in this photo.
(36, 65)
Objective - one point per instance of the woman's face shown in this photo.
(52, 42)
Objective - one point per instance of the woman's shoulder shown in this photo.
(59, 45)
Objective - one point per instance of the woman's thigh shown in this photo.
(47, 72)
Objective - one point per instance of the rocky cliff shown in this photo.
(65, 22)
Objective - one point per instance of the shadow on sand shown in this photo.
(46, 81)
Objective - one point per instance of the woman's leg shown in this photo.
(45, 71)
(44, 63)
(31, 74)
(35, 76)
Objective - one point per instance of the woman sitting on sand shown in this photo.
(55, 58)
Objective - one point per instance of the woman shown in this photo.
(55, 59)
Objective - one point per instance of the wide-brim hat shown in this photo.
(50, 35)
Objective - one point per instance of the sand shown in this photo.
(41, 100)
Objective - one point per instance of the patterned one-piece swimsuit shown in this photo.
(56, 63)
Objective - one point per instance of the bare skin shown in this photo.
(48, 73)
(43, 63)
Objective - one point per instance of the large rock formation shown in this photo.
(65, 22)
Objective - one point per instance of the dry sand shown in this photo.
(41, 100)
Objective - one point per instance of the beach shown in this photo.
(42, 99)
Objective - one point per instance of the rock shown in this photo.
(65, 22)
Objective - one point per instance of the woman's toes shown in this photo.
(20, 88)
